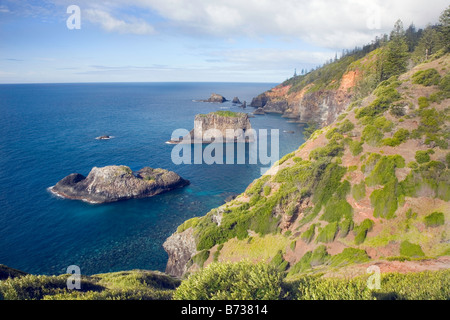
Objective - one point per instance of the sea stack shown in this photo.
(115, 183)
(218, 125)
(236, 101)
(215, 98)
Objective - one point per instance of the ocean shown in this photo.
(48, 131)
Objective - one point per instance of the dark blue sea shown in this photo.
(48, 131)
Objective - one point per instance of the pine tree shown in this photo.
(444, 19)
(428, 44)
(396, 54)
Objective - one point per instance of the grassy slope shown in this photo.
(309, 204)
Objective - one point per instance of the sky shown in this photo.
(189, 40)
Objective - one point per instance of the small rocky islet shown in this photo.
(116, 183)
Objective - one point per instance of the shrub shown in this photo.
(336, 209)
(435, 219)
(279, 262)
(126, 285)
(399, 137)
(410, 249)
(359, 191)
(232, 281)
(362, 230)
(371, 135)
(328, 233)
(383, 124)
(427, 77)
(422, 157)
(356, 147)
(345, 226)
(444, 85)
(308, 235)
(427, 285)
(267, 190)
(385, 201)
(346, 126)
(423, 103)
(349, 256)
(200, 258)
(397, 110)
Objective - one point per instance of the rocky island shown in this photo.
(115, 183)
(208, 127)
(215, 98)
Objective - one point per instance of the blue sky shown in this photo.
(190, 40)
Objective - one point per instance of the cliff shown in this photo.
(371, 187)
(115, 183)
(321, 95)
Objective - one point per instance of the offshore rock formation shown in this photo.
(208, 127)
(236, 100)
(215, 98)
(115, 183)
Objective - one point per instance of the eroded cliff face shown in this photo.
(225, 125)
(180, 247)
(305, 105)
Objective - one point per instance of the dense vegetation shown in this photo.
(231, 281)
(126, 285)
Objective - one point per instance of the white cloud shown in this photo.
(333, 24)
(112, 24)
(4, 9)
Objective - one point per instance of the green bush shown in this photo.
(427, 77)
(356, 147)
(384, 124)
(308, 235)
(232, 281)
(422, 157)
(423, 103)
(349, 256)
(359, 190)
(435, 219)
(385, 201)
(371, 135)
(362, 230)
(345, 226)
(444, 85)
(409, 249)
(279, 262)
(399, 137)
(267, 190)
(328, 233)
(427, 285)
(126, 285)
(200, 258)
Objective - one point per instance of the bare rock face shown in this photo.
(236, 100)
(181, 248)
(207, 128)
(115, 183)
(259, 111)
(215, 98)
